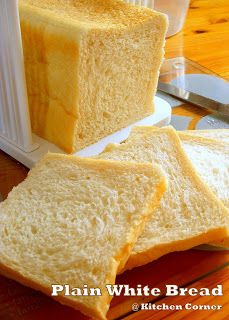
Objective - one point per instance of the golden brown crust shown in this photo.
(100, 164)
(224, 243)
(148, 215)
(140, 258)
(93, 13)
(209, 142)
(196, 132)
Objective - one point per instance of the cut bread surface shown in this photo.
(210, 158)
(218, 134)
(91, 66)
(189, 214)
(74, 221)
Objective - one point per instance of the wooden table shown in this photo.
(205, 39)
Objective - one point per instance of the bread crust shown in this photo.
(223, 134)
(151, 209)
(154, 253)
(205, 141)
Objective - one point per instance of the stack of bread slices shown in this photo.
(80, 221)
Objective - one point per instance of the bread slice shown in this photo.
(208, 156)
(218, 134)
(91, 66)
(211, 160)
(74, 221)
(189, 214)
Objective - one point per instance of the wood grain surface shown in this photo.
(204, 39)
(180, 268)
(221, 303)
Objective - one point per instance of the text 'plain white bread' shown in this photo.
(91, 66)
(189, 214)
(74, 221)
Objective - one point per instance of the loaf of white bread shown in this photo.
(74, 221)
(91, 66)
(189, 213)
